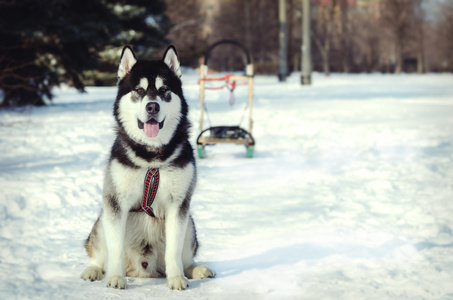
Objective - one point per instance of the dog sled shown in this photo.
(232, 134)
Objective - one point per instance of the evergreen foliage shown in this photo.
(143, 25)
(46, 42)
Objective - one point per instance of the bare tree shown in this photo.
(445, 36)
(186, 33)
(323, 31)
(253, 23)
(345, 36)
(418, 24)
(396, 18)
(229, 23)
(367, 40)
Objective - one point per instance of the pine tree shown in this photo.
(46, 42)
(143, 25)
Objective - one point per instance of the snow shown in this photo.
(349, 195)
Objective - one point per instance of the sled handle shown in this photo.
(208, 52)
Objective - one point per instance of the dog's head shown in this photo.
(150, 103)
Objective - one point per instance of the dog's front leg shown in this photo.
(176, 221)
(114, 227)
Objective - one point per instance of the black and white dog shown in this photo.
(145, 229)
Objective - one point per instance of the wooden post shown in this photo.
(283, 53)
(203, 70)
(306, 44)
(249, 73)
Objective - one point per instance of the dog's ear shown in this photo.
(171, 59)
(127, 61)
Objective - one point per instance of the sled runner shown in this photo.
(226, 134)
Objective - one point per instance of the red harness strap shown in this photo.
(151, 185)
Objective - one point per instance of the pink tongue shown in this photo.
(151, 129)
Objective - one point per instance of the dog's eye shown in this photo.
(163, 90)
(140, 91)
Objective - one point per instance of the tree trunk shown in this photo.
(399, 55)
(326, 66)
(328, 38)
(420, 61)
(420, 50)
(324, 54)
(283, 53)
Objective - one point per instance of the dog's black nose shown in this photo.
(152, 108)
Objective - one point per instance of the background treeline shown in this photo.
(46, 42)
(347, 35)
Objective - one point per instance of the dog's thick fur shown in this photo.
(152, 132)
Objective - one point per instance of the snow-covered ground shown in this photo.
(349, 195)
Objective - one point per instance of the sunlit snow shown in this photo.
(349, 195)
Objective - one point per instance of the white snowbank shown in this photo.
(349, 196)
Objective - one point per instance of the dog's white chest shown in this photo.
(172, 188)
(174, 184)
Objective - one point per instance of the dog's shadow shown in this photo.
(161, 282)
(307, 252)
(277, 256)
(293, 254)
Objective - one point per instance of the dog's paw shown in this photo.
(116, 282)
(92, 273)
(177, 283)
(202, 272)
